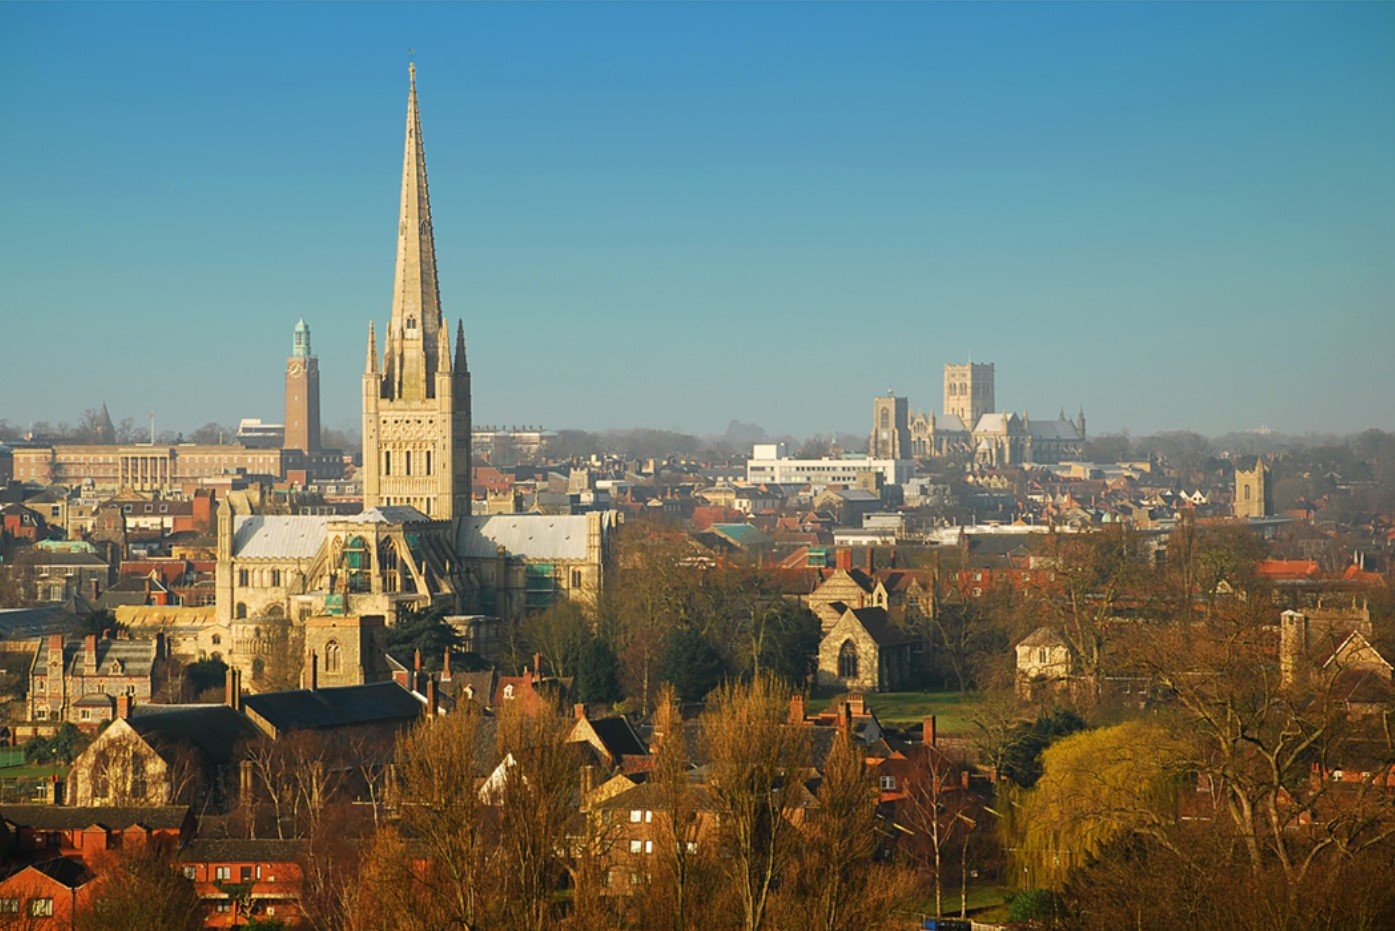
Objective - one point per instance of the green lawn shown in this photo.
(952, 710)
(29, 771)
(985, 902)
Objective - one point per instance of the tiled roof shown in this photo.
(389, 514)
(619, 738)
(75, 818)
(878, 626)
(218, 850)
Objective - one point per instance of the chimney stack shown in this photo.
(89, 654)
(416, 661)
(445, 665)
(797, 708)
(233, 689)
(537, 667)
(929, 735)
(431, 699)
(123, 706)
(871, 567)
(579, 712)
(55, 645)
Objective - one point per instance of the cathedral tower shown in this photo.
(416, 396)
(969, 391)
(302, 394)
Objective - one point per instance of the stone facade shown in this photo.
(416, 397)
(969, 391)
(81, 682)
(346, 650)
(891, 435)
(1044, 664)
(1253, 495)
(864, 651)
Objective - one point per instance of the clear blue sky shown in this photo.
(1179, 216)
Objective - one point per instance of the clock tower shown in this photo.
(302, 394)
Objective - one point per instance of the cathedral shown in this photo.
(971, 426)
(416, 545)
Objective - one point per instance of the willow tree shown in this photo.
(1096, 787)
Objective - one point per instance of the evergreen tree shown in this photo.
(596, 674)
(691, 664)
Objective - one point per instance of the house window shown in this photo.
(508, 692)
(246, 874)
(847, 660)
(222, 872)
(190, 872)
(9, 906)
(223, 905)
(636, 846)
(887, 782)
(635, 815)
(41, 908)
(85, 715)
(1041, 655)
(649, 846)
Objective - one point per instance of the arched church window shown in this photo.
(332, 657)
(356, 563)
(411, 323)
(1247, 492)
(241, 611)
(847, 660)
(886, 418)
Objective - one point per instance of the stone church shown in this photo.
(971, 426)
(416, 545)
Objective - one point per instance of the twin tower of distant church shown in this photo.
(416, 394)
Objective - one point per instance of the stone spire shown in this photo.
(371, 367)
(416, 298)
(460, 365)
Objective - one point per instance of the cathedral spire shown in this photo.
(416, 298)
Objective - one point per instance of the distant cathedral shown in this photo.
(416, 397)
(971, 425)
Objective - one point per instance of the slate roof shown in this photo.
(529, 536)
(878, 625)
(220, 850)
(279, 537)
(137, 657)
(335, 707)
(66, 871)
(949, 423)
(213, 731)
(1052, 430)
(114, 818)
(28, 623)
(619, 738)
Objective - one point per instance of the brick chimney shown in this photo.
(929, 735)
(432, 702)
(123, 705)
(797, 708)
(537, 667)
(55, 644)
(89, 654)
(312, 681)
(842, 558)
(871, 562)
(416, 661)
(844, 715)
(445, 665)
(579, 712)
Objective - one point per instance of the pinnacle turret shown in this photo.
(371, 367)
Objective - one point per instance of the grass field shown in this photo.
(952, 710)
(30, 771)
(986, 903)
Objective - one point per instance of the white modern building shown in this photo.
(771, 462)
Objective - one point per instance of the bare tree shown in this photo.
(756, 780)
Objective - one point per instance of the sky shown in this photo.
(676, 215)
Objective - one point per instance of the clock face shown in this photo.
(296, 367)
